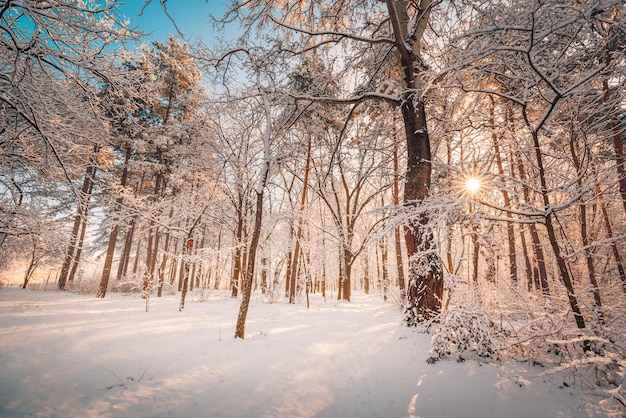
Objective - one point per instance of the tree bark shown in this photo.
(549, 216)
(163, 266)
(534, 235)
(398, 230)
(81, 213)
(425, 284)
(108, 260)
(614, 249)
(618, 143)
(582, 213)
(294, 268)
(505, 196)
(384, 260)
(236, 276)
(256, 234)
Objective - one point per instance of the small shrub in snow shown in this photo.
(462, 329)
(202, 294)
(395, 296)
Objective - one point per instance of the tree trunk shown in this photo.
(184, 278)
(614, 249)
(348, 258)
(218, 270)
(425, 284)
(294, 268)
(534, 235)
(425, 287)
(549, 216)
(366, 274)
(234, 282)
(32, 265)
(256, 234)
(527, 263)
(618, 143)
(398, 230)
(163, 266)
(384, 259)
(81, 241)
(81, 213)
(582, 213)
(83, 232)
(475, 257)
(108, 260)
(505, 196)
(342, 269)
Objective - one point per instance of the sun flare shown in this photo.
(472, 184)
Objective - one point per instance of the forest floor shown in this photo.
(69, 355)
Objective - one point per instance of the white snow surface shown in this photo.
(70, 355)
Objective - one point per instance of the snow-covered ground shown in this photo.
(69, 355)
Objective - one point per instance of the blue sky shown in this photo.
(191, 17)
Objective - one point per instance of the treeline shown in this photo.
(327, 151)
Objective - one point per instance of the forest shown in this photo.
(462, 159)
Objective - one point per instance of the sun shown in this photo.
(472, 184)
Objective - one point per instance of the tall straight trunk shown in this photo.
(425, 283)
(254, 244)
(122, 267)
(618, 143)
(81, 241)
(527, 262)
(294, 268)
(154, 234)
(534, 234)
(32, 265)
(192, 281)
(342, 272)
(384, 259)
(324, 281)
(522, 233)
(609, 235)
(146, 277)
(366, 274)
(181, 270)
(122, 270)
(288, 273)
(163, 265)
(108, 260)
(188, 248)
(425, 287)
(155, 253)
(81, 237)
(234, 283)
(582, 213)
(171, 275)
(348, 259)
(244, 255)
(258, 218)
(137, 254)
(218, 270)
(81, 212)
(549, 217)
(264, 275)
(475, 255)
(151, 256)
(510, 231)
(398, 230)
(184, 270)
(201, 269)
(449, 261)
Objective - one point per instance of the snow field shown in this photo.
(68, 355)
